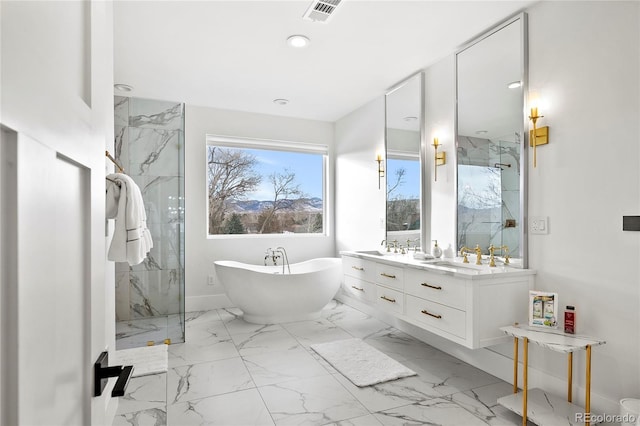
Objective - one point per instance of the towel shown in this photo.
(131, 239)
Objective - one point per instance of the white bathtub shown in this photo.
(267, 296)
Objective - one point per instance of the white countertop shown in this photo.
(447, 266)
(553, 339)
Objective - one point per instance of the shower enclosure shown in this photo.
(149, 145)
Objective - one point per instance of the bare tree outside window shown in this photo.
(231, 176)
(403, 210)
(286, 193)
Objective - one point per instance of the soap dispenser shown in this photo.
(436, 251)
(448, 252)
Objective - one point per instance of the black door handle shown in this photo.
(102, 372)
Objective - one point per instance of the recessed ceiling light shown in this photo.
(482, 132)
(514, 84)
(298, 41)
(123, 87)
(281, 101)
(410, 118)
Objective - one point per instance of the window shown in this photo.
(265, 187)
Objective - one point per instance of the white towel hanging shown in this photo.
(131, 239)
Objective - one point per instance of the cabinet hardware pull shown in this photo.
(387, 275)
(387, 299)
(357, 268)
(430, 314)
(357, 288)
(435, 287)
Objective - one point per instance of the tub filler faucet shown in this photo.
(276, 254)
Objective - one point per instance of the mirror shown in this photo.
(491, 162)
(403, 136)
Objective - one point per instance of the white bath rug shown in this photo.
(364, 365)
(145, 360)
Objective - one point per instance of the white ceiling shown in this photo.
(233, 54)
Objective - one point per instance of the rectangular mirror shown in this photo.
(491, 83)
(403, 136)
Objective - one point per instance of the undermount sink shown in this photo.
(371, 252)
(456, 265)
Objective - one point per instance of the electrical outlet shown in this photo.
(538, 225)
(212, 280)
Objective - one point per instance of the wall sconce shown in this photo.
(440, 158)
(537, 136)
(380, 162)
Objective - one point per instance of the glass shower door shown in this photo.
(150, 296)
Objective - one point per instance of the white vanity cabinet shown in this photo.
(358, 277)
(467, 306)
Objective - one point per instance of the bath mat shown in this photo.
(364, 365)
(145, 360)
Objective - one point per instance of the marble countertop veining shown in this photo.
(445, 266)
(553, 339)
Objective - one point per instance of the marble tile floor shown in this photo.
(230, 372)
(136, 333)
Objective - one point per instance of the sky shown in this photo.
(410, 188)
(308, 169)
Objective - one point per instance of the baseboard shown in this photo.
(490, 361)
(206, 303)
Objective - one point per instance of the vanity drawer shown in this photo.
(358, 268)
(390, 300)
(359, 289)
(436, 315)
(390, 276)
(437, 288)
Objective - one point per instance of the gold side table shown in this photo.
(535, 403)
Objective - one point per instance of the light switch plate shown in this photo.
(538, 225)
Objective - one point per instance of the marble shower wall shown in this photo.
(149, 144)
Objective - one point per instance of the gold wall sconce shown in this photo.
(537, 136)
(440, 158)
(380, 162)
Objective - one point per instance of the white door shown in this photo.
(48, 300)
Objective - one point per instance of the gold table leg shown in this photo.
(515, 365)
(587, 398)
(525, 350)
(570, 379)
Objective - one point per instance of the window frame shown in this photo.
(273, 145)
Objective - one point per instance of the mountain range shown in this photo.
(256, 206)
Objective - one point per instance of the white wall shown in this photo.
(201, 251)
(360, 205)
(57, 77)
(440, 112)
(584, 62)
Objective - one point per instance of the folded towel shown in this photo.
(131, 239)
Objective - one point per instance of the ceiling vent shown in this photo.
(321, 10)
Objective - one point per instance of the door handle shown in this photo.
(102, 372)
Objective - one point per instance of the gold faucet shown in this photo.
(478, 251)
(463, 253)
(505, 250)
(492, 261)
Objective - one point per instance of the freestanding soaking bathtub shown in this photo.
(267, 296)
